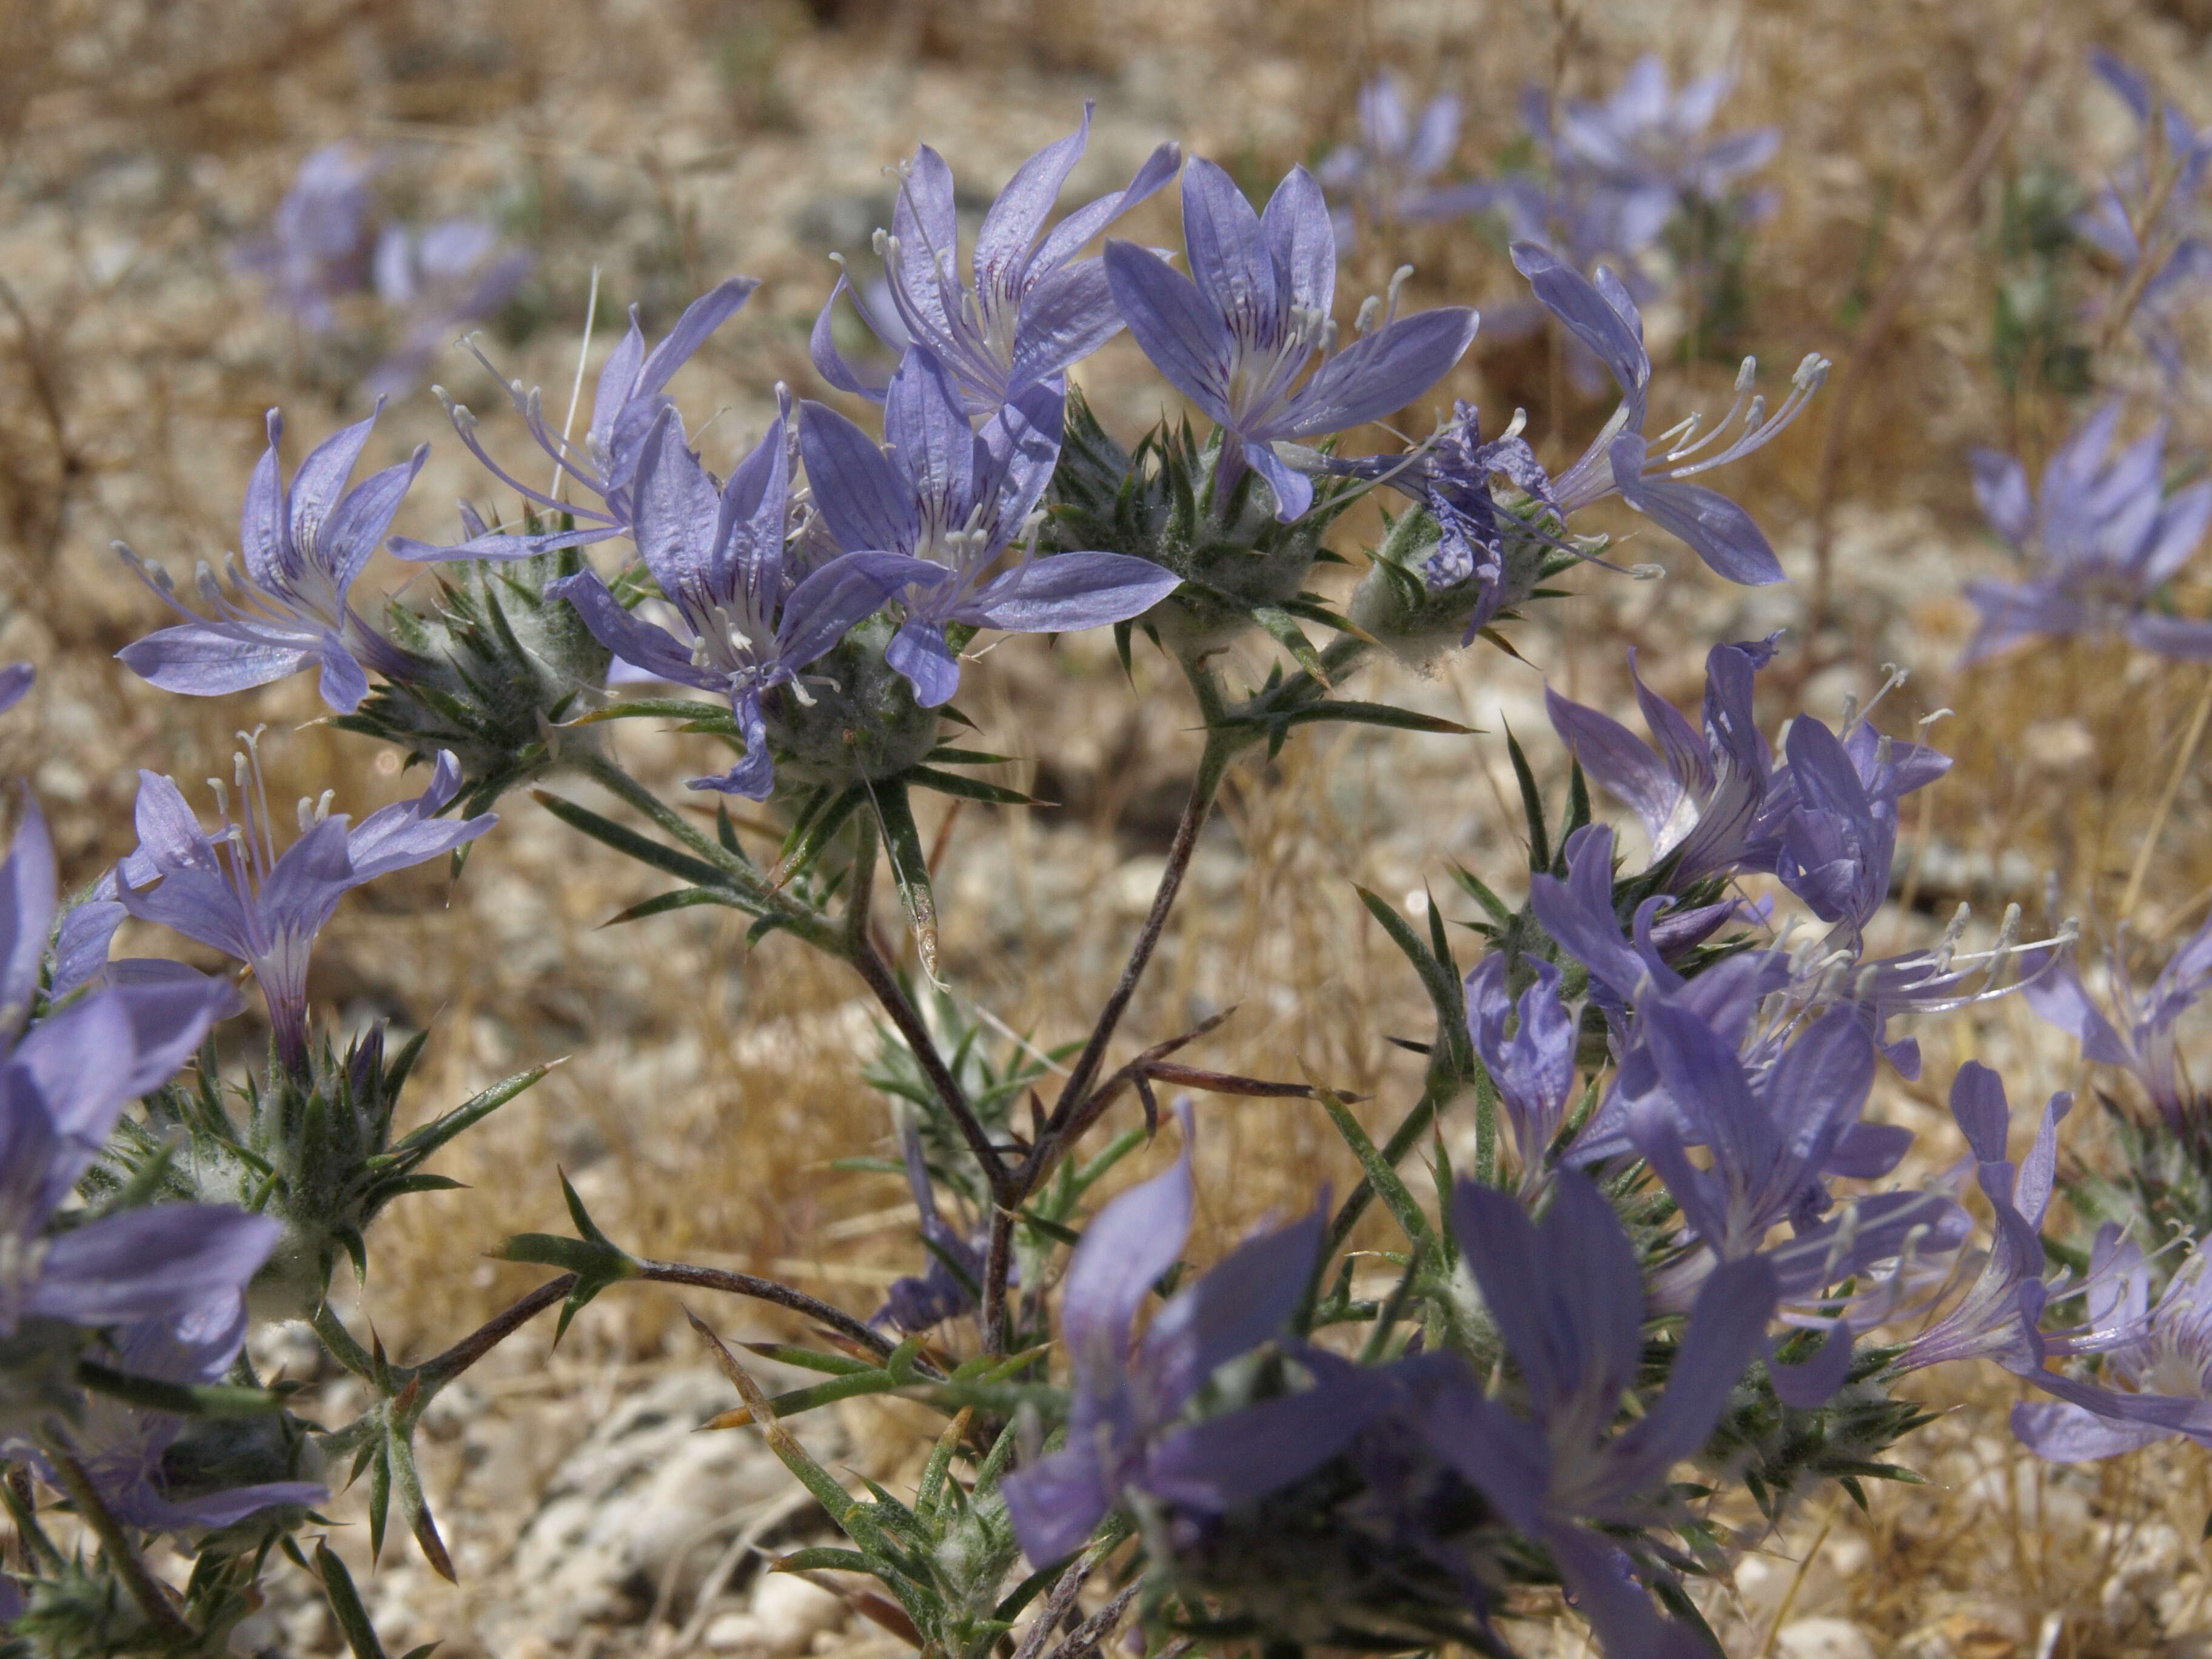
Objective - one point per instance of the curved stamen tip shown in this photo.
(1647, 572)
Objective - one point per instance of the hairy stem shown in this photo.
(998, 1268)
(1204, 786)
(152, 1599)
(877, 975)
(471, 1348)
(766, 1289)
(341, 1343)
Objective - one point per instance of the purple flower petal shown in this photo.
(1125, 1249)
(1171, 321)
(1230, 261)
(657, 652)
(701, 319)
(860, 496)
(141, 1264)
(1070, 590)
(1055, 1502)
(927, 431)
(16, 680)
(1239, 1303)
(919, 652)
(1302, 240)
(201, 661)
(832, 364)
(1381, 373)
(1718, 532)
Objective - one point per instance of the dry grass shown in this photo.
(706, 1087)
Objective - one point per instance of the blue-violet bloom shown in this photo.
(1024, 314)
(738, 628)
(2108, 537)
(929, 513)
(288, 607)
(1237, 336)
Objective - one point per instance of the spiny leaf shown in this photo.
(631, 844)
(346, 1604)
(909, 867)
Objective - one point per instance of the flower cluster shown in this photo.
(325, 243)
(1669, 1226)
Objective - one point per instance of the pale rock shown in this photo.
(645, 1494)
(1823, 1638)
(2144, 1560)
(787, 1614)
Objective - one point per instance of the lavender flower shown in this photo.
(1698, 794)
(16, 680)
(1128, 1393)
(1774, 1132)
(121, 1447)
(1535, 1069)
(2000, 1316)
(64, 1083)
(438, 282)
(1568, 1298)
(1451, 475)
(626, 400)
(1388, 172)
(739, 629)
(263, 908)
(2142, 1043)
(2151, 213)
(2109, 538)
(1601, 315)
(928, 514)
(288, 607)
(2162, 1355)
(1025, 315)
(318, 246)
(1236, 335)
(1635, 159)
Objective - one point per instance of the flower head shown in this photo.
(626, 400)
(1238, 334)
(64, 1083)
(317, 248)
(1700, 792)
(929, 513)
(1128, 1392)
(238, 893)
(288, 607)
(1568, 1298)
(122, 1447)
(1023, 314)
(2141, 1041)
(1621, 461)
(2108, 536)
(1388, 172)
(735, 623)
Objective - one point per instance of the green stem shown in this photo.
(341, 1343)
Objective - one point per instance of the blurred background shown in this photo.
(1918, 220)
